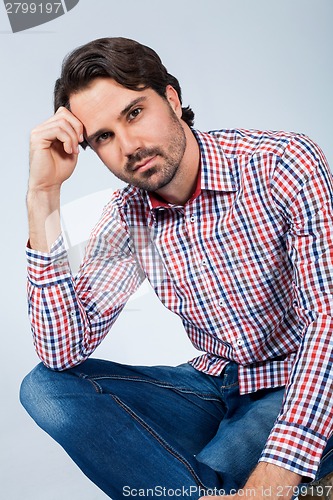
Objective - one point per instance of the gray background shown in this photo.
(241, 63)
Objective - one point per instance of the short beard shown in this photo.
(161, 174)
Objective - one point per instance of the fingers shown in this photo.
(64, 127)
(73, 121)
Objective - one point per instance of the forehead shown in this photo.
(101, 92)
(104, 100)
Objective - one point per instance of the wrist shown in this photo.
(43, 190)
(278, 481)
(44, 200)
(44, 218)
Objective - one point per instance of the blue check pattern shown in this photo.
(246, 263)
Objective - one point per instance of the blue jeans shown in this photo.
(161, 431)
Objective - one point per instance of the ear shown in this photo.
(173, 100)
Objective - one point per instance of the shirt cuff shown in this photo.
(295, 448)
(45, 269)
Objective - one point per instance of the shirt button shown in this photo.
(59, 262)
(221, 302)
(204, 262)
(193, 218)
(72, 313)
(240, 342)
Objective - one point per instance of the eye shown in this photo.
(103, 137)
(134, 113)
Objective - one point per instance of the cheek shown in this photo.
(159, 136)
(111, 159)
(159, 128)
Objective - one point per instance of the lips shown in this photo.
(144, 164)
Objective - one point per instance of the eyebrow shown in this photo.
(122, 113)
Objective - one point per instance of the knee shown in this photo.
(36, 395)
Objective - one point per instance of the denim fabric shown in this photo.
(161, 431)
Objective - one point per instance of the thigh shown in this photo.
(124, 425)
(180, 403)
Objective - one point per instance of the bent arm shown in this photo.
(70, 316)
(304, 188)
(54, 147)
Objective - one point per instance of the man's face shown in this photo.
(137, 134)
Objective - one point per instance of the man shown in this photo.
(233, 229)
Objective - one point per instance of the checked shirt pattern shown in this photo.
(246, 263)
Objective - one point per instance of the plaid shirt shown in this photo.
(246, 264)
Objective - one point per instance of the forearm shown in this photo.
(68, 319)
(305, 422)
(273, 481)
(43, 218)
(63, 333)
(69, 315)
(53, 157)
(267, 481)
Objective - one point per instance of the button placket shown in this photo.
(72, 314)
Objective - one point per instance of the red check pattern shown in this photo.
(247, 264)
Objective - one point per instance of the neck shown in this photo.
(183, 185)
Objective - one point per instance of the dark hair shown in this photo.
(129, 63)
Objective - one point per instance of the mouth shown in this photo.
(144, 164)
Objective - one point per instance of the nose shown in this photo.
(129, 142)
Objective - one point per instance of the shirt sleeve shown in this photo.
(302, 188)
(70, 316)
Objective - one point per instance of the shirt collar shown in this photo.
(216, 169)
(215, 172)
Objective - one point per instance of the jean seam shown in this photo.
(95, 378)
(229, 386)
(95, 385)
(327, 454)
(158, 438)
